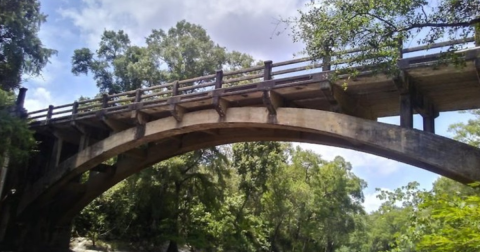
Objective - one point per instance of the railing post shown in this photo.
(267, 71)
(175, 89)
(21, 97)
(50, 112)
(104, 100)
(20, 108)
(138, 95)
(219, 79)
(400, 46)
(477, 33)
(74, 110)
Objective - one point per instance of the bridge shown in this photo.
(106, 139)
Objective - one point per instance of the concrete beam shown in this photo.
(115, 125)
(220, 104)
(459, 161)
(272, 101)
(349, 105)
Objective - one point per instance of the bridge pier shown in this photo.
(406, 111)
(37, 233)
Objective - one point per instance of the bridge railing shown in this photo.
(158, 94)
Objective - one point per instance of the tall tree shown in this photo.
(21, 51)
(184, 51)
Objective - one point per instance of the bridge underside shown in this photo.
(58, 197)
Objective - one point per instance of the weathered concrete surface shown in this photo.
(424, 150)
(168, 137)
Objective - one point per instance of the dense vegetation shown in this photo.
(21, 53)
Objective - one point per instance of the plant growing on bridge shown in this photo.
(380, 28)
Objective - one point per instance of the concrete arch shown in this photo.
(424, 150)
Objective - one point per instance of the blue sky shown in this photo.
(245, 26)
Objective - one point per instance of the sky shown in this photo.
(242, 25)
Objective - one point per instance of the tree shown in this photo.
(185, 51)
(21, 51)
(15, 136)
(381, 27)
(469, 132)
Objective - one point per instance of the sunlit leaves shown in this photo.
(21, 51)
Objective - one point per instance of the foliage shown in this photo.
(184, 51)
(468, 132)
(21, 51)
(381, 27)
(244, 197)
(16, 138)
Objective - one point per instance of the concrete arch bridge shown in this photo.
(285, 101)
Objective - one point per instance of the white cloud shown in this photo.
(48, 74)
(40, 98)
(368, 163)
(372, 202)
(245, 26)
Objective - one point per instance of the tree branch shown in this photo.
(423, 25)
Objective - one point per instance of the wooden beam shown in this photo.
(272, 101)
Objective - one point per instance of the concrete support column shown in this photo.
(429, 124)
(56, 152)
(406, 111)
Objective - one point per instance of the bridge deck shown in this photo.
(433, 89)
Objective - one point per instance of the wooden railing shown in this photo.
(161, 93)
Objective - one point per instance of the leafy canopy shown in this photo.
(381, 27)
(183, 52)
(21, 51)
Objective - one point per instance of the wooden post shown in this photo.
(219, 79)
(21, 98)
(74, 110)
(104, 100)
(138, 95)
(406, 111)
(50, 112)
(477, 33)
(267, 71)
(175, 89)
